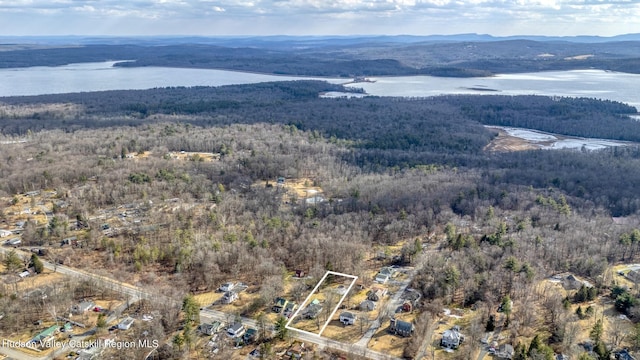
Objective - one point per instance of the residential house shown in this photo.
(210, 329)
(126, 323)
(313, 310)
(399, 327)
(376, 293)
(82, 307)
(45, 335)
(505, 352)
(384, 275)
(5, 233)
(289, 309)
(412, 295)
(367, 305)
(296, 351)
(571, 282)
(236, 330)
(226, 287)
(452, 338)
(387, 271)
(348, 318)
(279, 305)
(229, 297)
(300, 273)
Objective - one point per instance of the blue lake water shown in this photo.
(103, 76)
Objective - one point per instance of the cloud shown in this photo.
(211, 17)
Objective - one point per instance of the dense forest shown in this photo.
(383, 133)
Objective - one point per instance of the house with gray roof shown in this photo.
(348, 318)
(452, 338)
(399, 327)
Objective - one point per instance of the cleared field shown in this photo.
(296, 189)
(208, 298)
(194, 156)
(347, 333)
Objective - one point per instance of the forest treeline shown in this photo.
(384, 133)
(450, 59)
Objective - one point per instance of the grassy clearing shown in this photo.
(346, 333)
(383, 341)
(208, 298)
(194, 156)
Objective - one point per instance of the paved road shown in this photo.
(135, 293)
(396, 299)
(208, 315)
(132, 293)
(394, 303)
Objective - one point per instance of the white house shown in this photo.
(452, 338)
(236, 330)
(82, 307)
(229, 297)
(348, 318)
(227, 286)
(5, 233)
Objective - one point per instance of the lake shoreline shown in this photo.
(104, 76)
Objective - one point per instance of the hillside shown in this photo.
(340, 57)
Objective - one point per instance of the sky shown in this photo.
(318, 17)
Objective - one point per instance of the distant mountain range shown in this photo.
(464, 55)
(297, 42)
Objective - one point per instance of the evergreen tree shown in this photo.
(12, 262)
(37, 264)
(191, 310)
(535, 345)
(596, 332)
(280, 327)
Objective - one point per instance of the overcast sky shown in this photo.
(318, 17)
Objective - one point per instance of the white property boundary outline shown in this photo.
(313, 292)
